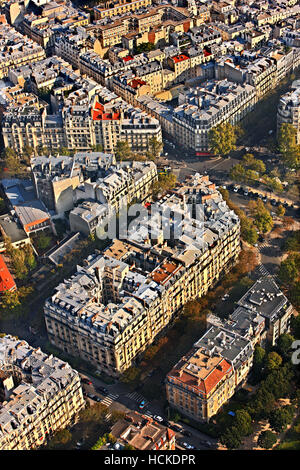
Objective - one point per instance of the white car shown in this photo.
(158, 418)
(188, 446)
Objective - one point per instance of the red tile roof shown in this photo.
(180, 58)
(6, 279)
(98, 114)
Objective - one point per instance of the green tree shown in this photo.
(43, 241)
(273, 361)
(154, 149)
(165, 182)
(267, 439)
(262, 217)
(243, 422)
(287, 144)
(280, 210)
(288, 271)
(248, 231)
(60, 439)
(281, 417)
(284, 344)
(222, 138)
(231, 438)
(238, 173)
(123, 151)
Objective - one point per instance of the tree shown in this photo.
(293, 243)
(253, 164)
(273, 361)
(248, 231)
(243, 422)
(266, 439)
(10, 300)
(11, 161)
(27, 153)
(60, 439)
(145, 47)
(280, 210)
(262, 217)
(123, 151)
(154, 149)
(97, 148)
(222, 138)
(287, 144)
(281, 417)
(238, 173)
(165, 182)
(284, 344)
(258, 363)
(231, 438)
(43, 241)
(288, 271)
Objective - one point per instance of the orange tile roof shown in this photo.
(6, 279)
(206, 384)
(180, 58)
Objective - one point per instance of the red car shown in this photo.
(86, 381)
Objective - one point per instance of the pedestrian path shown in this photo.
(107, 401)
(263, 270)
(136, 397)
(264, 245)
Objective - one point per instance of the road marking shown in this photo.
(107, 401)
(136, 397)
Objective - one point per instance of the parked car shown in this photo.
(102, 390)
(92, 396)
(80, 443)
(86, 381)
(175, 427)
(188, 446)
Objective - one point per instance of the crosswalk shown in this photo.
(263, 270)
(107, 401)
(264, 245)
(107, 417)
(136, 397)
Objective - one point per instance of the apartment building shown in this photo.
(142, 433)
(118, 7)
(87, 216)
(236, 350)
(56, 178)
(266, 299)
(16, 50)
(119, 185)
(200, 384)
(288, 111)
(243, 322)
(136, 286)
(202, 108)
(203, 380)
(91, 115)
(39, 395)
